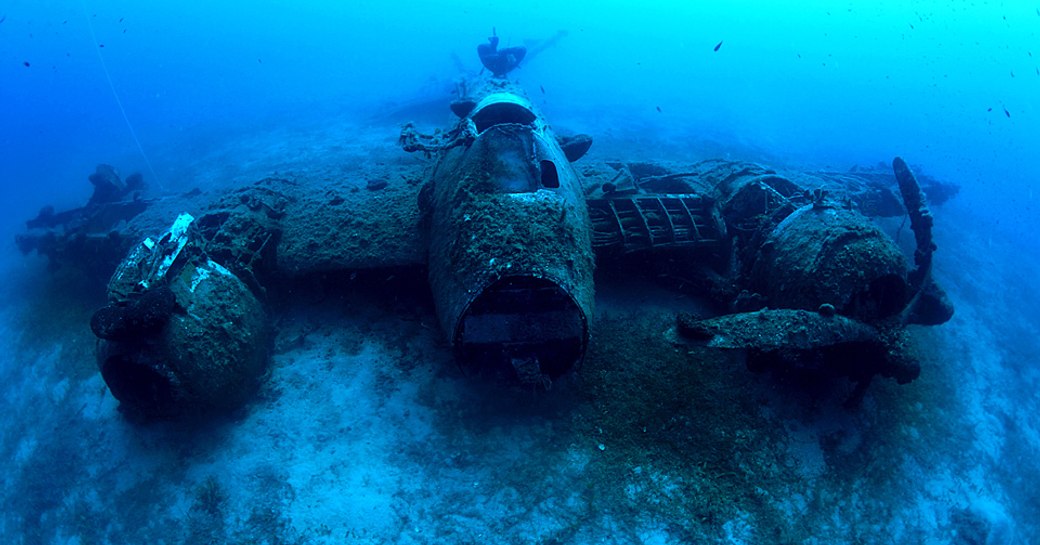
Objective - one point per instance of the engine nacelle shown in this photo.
(824, 255)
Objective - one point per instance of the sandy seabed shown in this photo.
(364, 430)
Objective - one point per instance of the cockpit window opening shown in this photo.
(502, 113)
(550, 176)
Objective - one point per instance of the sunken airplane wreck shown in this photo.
(509, 233)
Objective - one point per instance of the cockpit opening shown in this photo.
(500, 113)
(550, 176)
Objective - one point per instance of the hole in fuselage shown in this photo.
(550, 176)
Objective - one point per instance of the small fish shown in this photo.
(658, 109)
(1038, 70)
(990, 109)
(3, 18)
(1006, 112)
(260, 61)
(101, 45)
(26, 63)
(911, 26)
(717, 46)
(1012, 73)
(542, 87)
(120, 19)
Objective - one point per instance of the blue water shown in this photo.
(824, 82)
(151, 86)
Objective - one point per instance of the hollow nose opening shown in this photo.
(139, 387)
(524, 329)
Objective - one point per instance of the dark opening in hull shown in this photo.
(522, 328)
